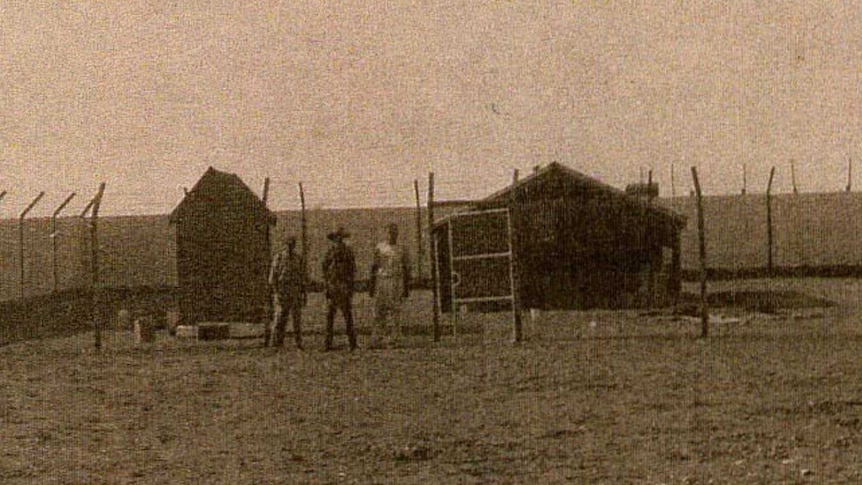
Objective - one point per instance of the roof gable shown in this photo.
(216, 187)
(556, 177)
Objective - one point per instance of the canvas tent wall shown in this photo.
(223, 251)
(582, 243)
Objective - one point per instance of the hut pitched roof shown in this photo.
(217, 186)
(561, 179)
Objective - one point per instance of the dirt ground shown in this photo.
(590, 397)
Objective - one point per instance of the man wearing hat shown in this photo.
(339, 272)
(287, 281)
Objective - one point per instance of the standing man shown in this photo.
(287, 281)
(390, 277)
(339, 271)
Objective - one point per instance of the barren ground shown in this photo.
(591, 397)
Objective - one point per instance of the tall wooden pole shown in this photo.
(849, 174)
(94, 247)
(514, 218)
(267, 302)
(435, 310)
(418, 231)
(704, 308)
(769, 242)
(672, 181)
(21, 241)
(304, 240)
(54, 235)
(744, 179)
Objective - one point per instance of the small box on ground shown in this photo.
(186, 331)
(213, 331)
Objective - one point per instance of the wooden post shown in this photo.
(704, 308)
(793, 176)
(304, 241)
(769, 243)
(675, 267)
(515, 176)
(54, 279)
(435, 310)
(87, 208)
(744, 179)
(672, 182)
(21, 241)
(418, 231)
(267, 304)
(849, 174)
(94, 247)
(514, 217)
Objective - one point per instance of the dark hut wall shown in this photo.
(222, 261)
(585, 250)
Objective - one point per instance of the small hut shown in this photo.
(223, 251)
(580, 243)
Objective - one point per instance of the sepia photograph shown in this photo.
(430, 241)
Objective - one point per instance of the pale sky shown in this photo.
(357, 99)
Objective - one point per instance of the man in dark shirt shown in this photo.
(339, 271)
(287, 280)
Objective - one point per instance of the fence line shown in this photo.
(815, 230)
(38, 265)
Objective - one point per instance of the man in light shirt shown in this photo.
(390, 277)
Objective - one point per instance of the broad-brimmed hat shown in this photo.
(338, 235)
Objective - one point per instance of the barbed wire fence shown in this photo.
(55, 245)
(48, 265)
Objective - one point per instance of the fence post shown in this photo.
(793, 176)
(435, 310)
(54, 282)
(704, 309)
(769, 266)
(672, 182)
(418, 231)
(304, 240)
(514, 217)
(21, 240)
(267, 305)
(94, 248)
